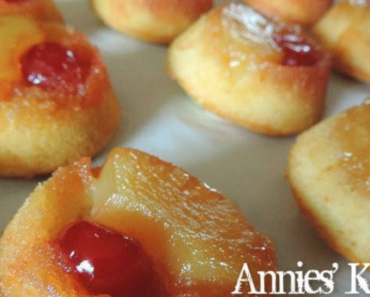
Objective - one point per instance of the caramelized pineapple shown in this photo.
(195, 237)
(329, 170)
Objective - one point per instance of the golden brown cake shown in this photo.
(156, 21)
(303, 12)
(56, 101)
(43, 10)
(344, 30)
(263, 75)
(188, 239)
(329, 169)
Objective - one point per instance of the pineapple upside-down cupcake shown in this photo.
(344, 30)
(260, 74)
(157, 21)
(303, 12)
(56, 101)
(329, 169)
(137, 227)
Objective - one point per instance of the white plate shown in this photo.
(159, 118)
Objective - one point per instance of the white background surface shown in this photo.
(159, 118)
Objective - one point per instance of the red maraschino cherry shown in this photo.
(107, 262)
(298, 51)
(52, 66)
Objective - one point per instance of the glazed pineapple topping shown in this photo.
(107, 262)
(298, 51)
(247, 26)
(52, 66)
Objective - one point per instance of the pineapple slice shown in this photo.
(198, 239)
(329, 171)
